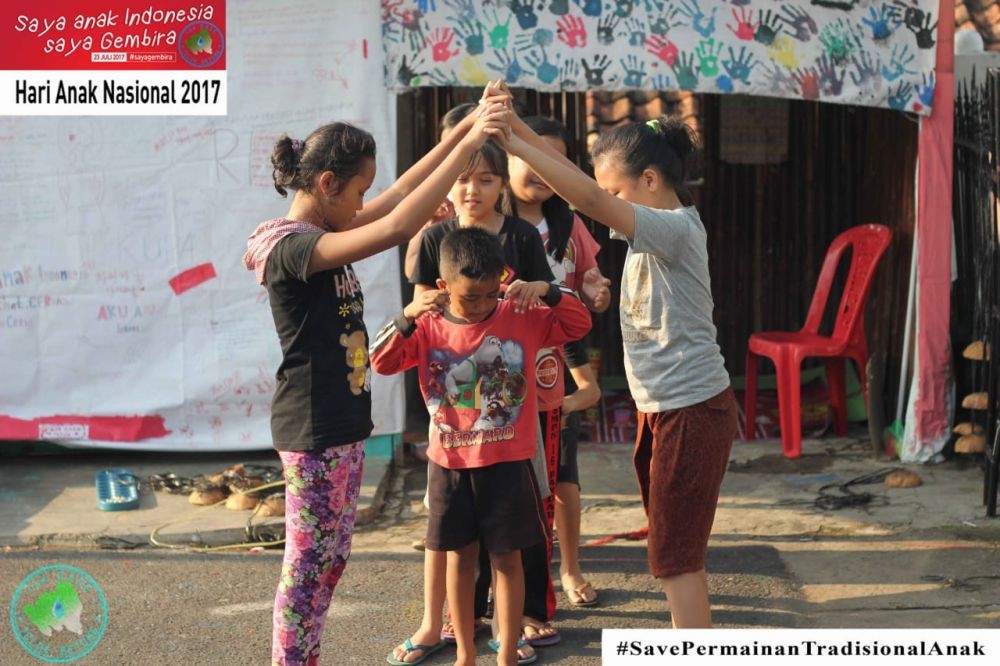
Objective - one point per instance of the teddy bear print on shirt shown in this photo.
(359, 377)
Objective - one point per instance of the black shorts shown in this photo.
(568, 472)
(498, 504)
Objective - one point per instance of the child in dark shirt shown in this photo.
(321, 411)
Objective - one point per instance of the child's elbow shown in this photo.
(381, 365)
(396, 229)
(591, 396)
(399, 234)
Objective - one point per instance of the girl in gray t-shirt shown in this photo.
(686, 410)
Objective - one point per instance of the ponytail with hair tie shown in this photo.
(668, 152)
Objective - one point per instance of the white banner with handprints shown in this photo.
(866, 52)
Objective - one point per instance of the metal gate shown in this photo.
(976, 292)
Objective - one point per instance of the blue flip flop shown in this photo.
(117, 489)
(410, 647)
(495, 646)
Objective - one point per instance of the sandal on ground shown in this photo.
(409, 647)
(578, 595)
(448, 630)
(530, 659)
(539, 634)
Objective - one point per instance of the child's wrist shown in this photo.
(471, 143)
(514, 143)
(404, 323)
(553, 295)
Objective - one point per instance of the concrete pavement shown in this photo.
(50, 499)
(913, 557)
(921, 557)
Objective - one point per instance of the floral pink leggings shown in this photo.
(321, 498)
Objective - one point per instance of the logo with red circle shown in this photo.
(547, 370)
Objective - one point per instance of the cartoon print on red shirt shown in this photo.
(489, 381)
(435, 378)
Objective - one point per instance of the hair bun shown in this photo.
(284, 161)
(337, 147)
(678, 134)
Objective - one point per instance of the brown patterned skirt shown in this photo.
(680, 458)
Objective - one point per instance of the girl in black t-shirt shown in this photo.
(446, 211)
(321, 412)
(482, 198)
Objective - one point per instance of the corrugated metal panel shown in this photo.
(975, 295)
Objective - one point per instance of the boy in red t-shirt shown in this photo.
(475, 358)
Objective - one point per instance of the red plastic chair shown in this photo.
(788, 350)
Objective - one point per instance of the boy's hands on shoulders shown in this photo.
(527, 295)
(431, 300)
